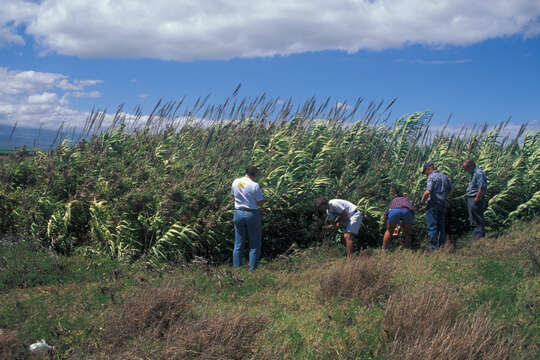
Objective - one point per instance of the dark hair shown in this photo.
(317, 203)
(252, 171)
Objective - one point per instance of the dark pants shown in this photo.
(435, 222)
(476, 217)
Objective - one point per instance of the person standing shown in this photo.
(400, 213)
(438, 189)
(342, 213)
(476, 200)
(247, 217)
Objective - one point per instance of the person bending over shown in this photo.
(400, 213)
(344, 214)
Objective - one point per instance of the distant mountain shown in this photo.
(31, 137)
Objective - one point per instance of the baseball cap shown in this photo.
(427, 165)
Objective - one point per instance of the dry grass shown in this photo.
(10, 345)
(225, 337)
(151, 311)
(426, 324)
(419, 312)
(522, 240)
(366, 278)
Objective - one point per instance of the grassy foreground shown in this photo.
(473, 302)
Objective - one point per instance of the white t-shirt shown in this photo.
(246, 193)
(336, 207)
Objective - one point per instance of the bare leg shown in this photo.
(387, 239)
(349, 243)
(407, 235)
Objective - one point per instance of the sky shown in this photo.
(478, 62)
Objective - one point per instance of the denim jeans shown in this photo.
(435, 222)
(247, 227)
(398, 216)
(476, 217)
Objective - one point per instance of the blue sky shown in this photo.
(479, 62)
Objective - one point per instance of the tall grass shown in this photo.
(158, 186)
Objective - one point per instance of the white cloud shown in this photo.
(510, 130)
(14, 13)
(33, 98)
(87, 94)
(223, 29)
(44, 98)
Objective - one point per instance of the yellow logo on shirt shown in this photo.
(241, 185)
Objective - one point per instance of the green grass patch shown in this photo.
(24, 265)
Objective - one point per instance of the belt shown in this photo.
(247, 209)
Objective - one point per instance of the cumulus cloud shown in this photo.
(14, 13)
(224, 29)
(33, 99)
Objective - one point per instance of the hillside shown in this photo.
(473, 302)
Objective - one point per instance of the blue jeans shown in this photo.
(247, 226)
(403, 216)
(435, 222)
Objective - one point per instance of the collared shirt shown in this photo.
(336, 207)
(246, 193)
(439, 186)
(478, 181)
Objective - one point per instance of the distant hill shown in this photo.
(31, 137)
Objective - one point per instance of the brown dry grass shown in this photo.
(366, 278)
(426, 324)
(151, 311)
(224, 337)
(522, 240)
(10, 345)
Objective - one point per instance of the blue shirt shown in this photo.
(439, 186)
(478, 181)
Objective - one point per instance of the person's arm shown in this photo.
(482, 183)
(424, 197)
(260, 198)
(342, 217)
(480, 194)
(429, 186)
